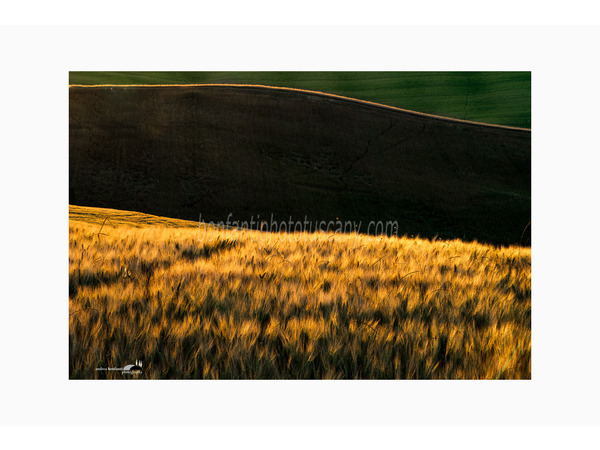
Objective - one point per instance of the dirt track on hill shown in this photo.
(182, 151)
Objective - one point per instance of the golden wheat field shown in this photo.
(193, 301)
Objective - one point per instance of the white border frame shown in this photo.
(35, 388)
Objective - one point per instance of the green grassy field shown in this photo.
(502, 98)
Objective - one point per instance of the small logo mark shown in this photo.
(133, 368)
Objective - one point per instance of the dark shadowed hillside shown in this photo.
(182, 151)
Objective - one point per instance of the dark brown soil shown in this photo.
(182, 151)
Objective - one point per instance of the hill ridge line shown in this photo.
(317, 93)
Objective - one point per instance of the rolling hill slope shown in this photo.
(502, 98)
(182, 151)
(224, 304)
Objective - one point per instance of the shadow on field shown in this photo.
(249, 151)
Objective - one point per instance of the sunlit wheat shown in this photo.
(236, 305)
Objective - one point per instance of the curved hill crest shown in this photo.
(185, 150)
